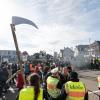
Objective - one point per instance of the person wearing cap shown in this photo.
(74, 89)
(53, 85)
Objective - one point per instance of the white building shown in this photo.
(55, 55)
(80, 58)
(93, 50)
(67, 54)
(8, 55)
(80, 50)
(24, 56)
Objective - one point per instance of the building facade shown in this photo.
(93, 50)
(80, 50)
(67, 54)
(8, 55)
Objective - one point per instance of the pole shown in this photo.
(95, 93)
(17, 51)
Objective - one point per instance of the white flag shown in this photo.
(19, 20)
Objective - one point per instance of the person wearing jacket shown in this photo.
(74, 89)
(33, 91)
(20, 81)
(64, 77)
(26, 68)
(54, 85)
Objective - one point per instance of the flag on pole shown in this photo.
(19, 20)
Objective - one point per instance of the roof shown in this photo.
(98, 42)
(94, 44)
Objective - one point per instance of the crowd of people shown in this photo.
(6, 71)
(95, 64)
(45, 82)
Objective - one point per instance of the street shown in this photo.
(91, 82)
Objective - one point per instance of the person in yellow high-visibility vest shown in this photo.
(32, 92)
(74, 89)
(98, 80)
(53, 85)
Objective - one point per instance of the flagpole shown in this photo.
(17, 51)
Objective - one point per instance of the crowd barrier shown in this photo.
(95, 93)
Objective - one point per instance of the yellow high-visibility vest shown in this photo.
(52, 87)
(98, 80)
(28, 94)
(75, 90)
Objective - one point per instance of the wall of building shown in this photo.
(67, 54)
(9, 55)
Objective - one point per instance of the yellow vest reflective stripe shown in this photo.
(76, 94)
(28, 94)
(98, 80)
(52, 87)
(75, 90)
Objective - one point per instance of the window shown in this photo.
(8, 52)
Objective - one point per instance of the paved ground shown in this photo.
(11, 95)
(87, 76)
(91, 73)
(90, 79)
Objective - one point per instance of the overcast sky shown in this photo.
(62, 23)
